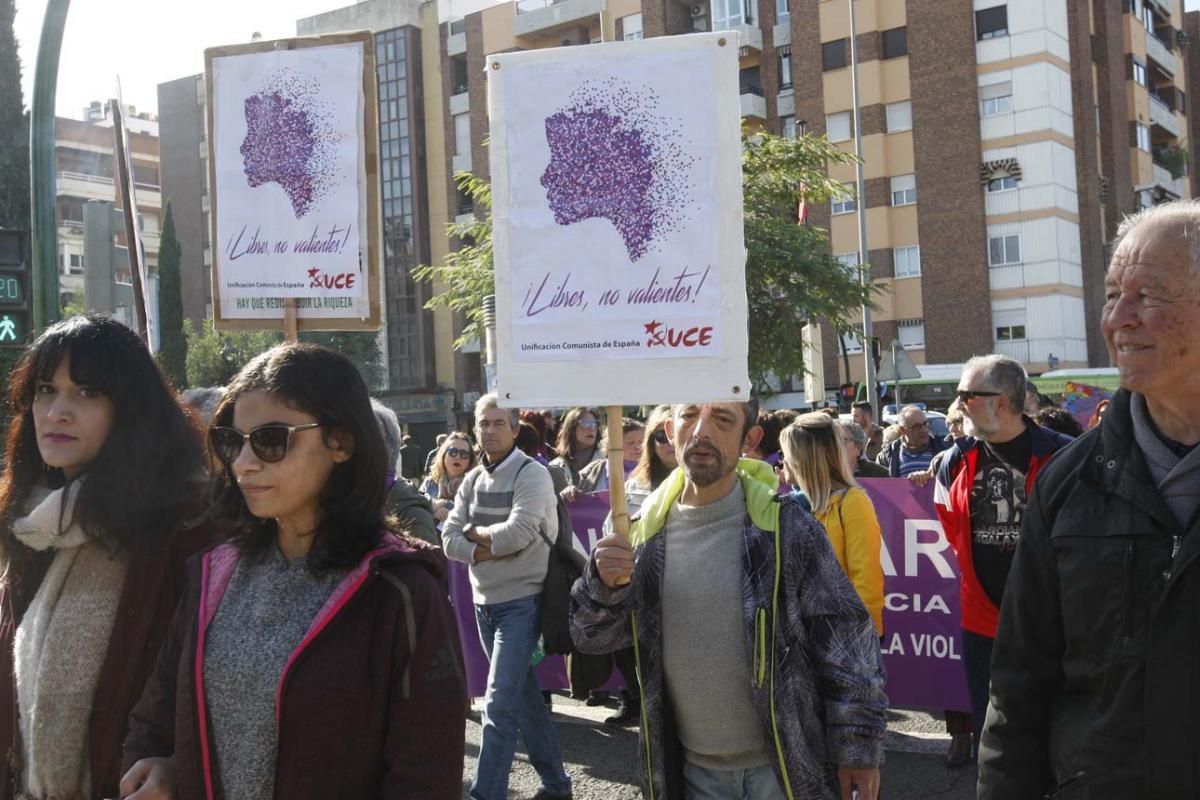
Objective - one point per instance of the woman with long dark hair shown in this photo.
(100, 478)
(580, 442)
(316, 655)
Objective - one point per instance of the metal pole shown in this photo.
(46, 309)
(860, 205)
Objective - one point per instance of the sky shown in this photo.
(148, 42)
(152, 41)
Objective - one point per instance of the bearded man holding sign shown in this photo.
(760, 670)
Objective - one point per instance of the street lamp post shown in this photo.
(861, 211)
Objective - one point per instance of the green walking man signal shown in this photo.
(14, 288)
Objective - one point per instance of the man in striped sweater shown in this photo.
(504, 517)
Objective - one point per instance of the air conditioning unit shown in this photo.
(699, 11)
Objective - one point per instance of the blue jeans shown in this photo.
(514, 703)
(758, 783)
(977, 658)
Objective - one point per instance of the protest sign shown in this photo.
(922, 641)
(1081, 401)
(293, 149)
(617, 223)
(922, 647)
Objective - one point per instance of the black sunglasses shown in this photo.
(967, 395)
(660, 436)
(269, 442)
(454, 452)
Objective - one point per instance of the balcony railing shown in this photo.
(84, 177)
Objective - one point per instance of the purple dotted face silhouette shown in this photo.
(610, 158)
(289, 140)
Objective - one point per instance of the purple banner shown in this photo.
(922, 641)
(922, 645)
(588, 513)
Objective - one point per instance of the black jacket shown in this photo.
(1096, 668)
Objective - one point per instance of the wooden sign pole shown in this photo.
(616, 474)
(290, 324)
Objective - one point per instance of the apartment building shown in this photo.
(85, 171)
(1002, 143)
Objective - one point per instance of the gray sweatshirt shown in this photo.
(515, 509)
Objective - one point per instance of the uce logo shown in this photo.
(659, 335)
(322, 280)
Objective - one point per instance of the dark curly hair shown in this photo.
(327, 385)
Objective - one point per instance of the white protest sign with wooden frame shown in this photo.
(617, 223)
(293, 160)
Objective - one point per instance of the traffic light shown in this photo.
(15, 300)
(847, 393)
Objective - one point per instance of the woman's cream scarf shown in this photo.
(60, 647)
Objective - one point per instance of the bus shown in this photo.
(935, 388)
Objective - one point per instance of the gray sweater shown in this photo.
(515, 509)
(1177, 479)
(705, 655)
(263, 616)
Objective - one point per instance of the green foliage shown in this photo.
(213, 358)
(790, 275)
(14, 129)
(172, 351)
(466, 277)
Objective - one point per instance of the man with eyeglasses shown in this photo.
(504, 518)
(981, 491)
(910, 455)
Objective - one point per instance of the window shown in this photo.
(1142, 136)
(784, 61)
(1002, 183)
(462, 134)
(458, 66)
(907, 261)
(991, 23)
(1010, 333)
(847, 205)
(912, 334)
(837, 126)
(849, 263)
(1137, 71)
(895, 43)
(781, 11)
(995, 98)
(851, 343)
(904, 190)
(833, 55)
(899, 116)
(631, 27)
(728, 14)
(787, 126)
(1004, 250)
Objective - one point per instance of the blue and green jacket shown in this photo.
(817, 677)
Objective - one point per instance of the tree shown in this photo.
(14, 128)
(213, 358)
(172, 351)
(791, 277)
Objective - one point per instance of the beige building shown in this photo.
(85, 170)
(1002, 143)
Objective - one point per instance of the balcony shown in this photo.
(87, 187)
(456, 44)
(70, 227)
(1161, 53)
(754, 105)
(1163, 179)
(750, 39)
(460, 103)
(546, 16)
(1163, 116)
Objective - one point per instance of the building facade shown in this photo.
(85, 171)
(1003, 142)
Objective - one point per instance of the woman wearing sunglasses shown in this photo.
(454, 460)
(97, 499)
(316, 655)
(579, 443)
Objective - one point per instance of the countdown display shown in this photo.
(12, 288)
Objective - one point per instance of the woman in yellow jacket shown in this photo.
(815, 462)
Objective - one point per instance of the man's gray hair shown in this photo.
(492, 400)
(1186, 213)
(904, 412)
(855, 430)
(1002, 374)
(389, 426)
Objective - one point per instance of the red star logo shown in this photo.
(651, 327)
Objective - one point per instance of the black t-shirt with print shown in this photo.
(997, 505)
